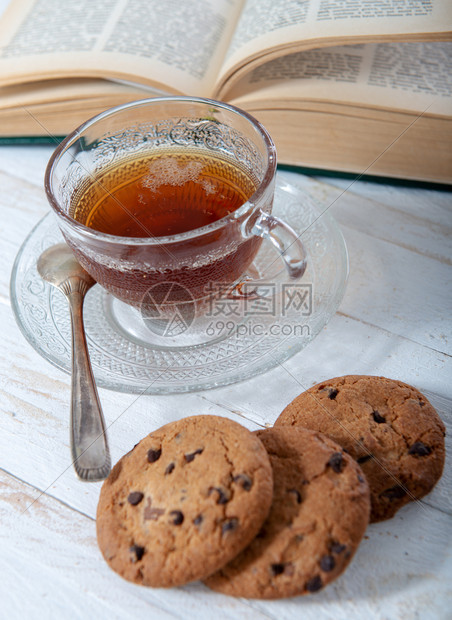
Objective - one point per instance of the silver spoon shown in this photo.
(58, 266)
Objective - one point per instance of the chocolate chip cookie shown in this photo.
(319, 514)
(184, 501)
(389, 427)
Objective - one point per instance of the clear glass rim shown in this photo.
(249, 205)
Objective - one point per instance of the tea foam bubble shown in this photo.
(171, 171)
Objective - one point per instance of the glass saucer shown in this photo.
(245, 336)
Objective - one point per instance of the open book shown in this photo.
(362, 86)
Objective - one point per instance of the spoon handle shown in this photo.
(89, 445)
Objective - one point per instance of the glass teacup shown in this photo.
(166, 201)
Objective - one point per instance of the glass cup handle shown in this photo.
(284, 239)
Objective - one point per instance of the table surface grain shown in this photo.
(394, 321)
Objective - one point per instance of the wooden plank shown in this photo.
(51, 567)
(34, 420)
(399, 262)
(22, 205)
(345, 347)
(398, 290)
(419, 220)
(401, 570)
(431, 205)
(392, 322)
(49, 551)
(27, 163)
(34, 401)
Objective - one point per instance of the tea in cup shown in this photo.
(170, 194)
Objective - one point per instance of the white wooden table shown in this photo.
(394, 320)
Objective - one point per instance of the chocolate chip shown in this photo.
(379, 419)
(277, 569)
(262, 533)
(332, 394)
(137, 553)
(327, 563)
(244, 480)
(337, 547)
(419, 449)
(191, 457)
(177, 517)
(154, 455)
(198, 520)
(314, 584)
(365, 458)
(229, 526)
(296, 493)
(421, 403)
(395, 492)
(169, 469)
(336, 462)
(222, 496)
(135, 498)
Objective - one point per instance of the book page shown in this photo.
(54, 91)
(55, 107)
(414, 77)
(268, 28)
(177, 46)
